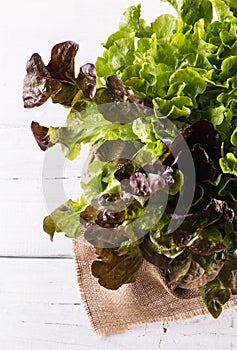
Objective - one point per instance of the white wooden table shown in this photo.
(39, 299)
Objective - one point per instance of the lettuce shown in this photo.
(159, 96)
(57, 79)
(92, 129)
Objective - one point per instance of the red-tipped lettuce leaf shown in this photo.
(38, 83)
(57, 79)
(41, 136)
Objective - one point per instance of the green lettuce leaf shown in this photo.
(222, 8)
(65, 219)
(164, 26)
(215, 294)
(100, 179)
(229, 164)
(192, 11)
(90, 127)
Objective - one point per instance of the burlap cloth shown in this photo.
(144, 301)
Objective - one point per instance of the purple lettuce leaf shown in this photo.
(38, 83)
(57, 79)
(87, 79)
(205, 145)
(61, 64)
(125, 105)
(41, 136)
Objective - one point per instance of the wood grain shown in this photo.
(23, 202)
(41, 308)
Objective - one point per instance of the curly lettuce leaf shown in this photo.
(41, 136)
(191, 11)
(210, 241)
(223, 8)
(65, 219)
(87, 128)
(101, 179)
(38, 83)
(215, 294)
(164, 26)
(114, 270)
(190, 271)
(165, 245)
(229, 164)
(57, 78)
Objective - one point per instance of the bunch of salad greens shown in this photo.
(179, 71)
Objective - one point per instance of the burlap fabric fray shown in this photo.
(144, 301)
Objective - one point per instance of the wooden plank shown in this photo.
(22, 232)
(21, 158)
(21, 215)
(23, 204)
(40, 305)
(41, 308)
